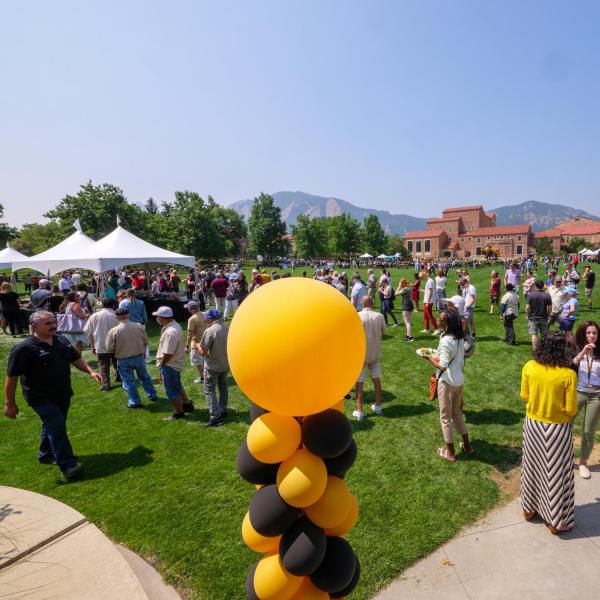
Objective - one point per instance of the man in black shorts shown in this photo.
(538, 309)
(43, 364)
(590, 281)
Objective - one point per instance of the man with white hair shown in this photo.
(40, 297)
(43, 364)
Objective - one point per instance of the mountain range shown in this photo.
(539, 215)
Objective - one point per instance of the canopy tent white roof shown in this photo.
(366, 255)
(585, 252)
(65, 255)
(120, 248)
(382, 256)
(8, 255)
(115, 250)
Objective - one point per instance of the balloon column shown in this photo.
(295, 347)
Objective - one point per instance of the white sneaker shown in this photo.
(424, 331)
(437, 332)
(358, 414)
(584, 472)
(198, 381)
(377, 409)
(395, 325)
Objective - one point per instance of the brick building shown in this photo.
(561, 235)
(465, 231)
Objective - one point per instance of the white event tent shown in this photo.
(366, 255)
(65, 255)
(8, 255)
(117, 249)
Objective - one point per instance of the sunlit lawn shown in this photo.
(170, 491)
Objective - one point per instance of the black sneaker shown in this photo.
(218, 422)
(188, 407)
(175, 416)
(47, 461)
(133, 406)
(73, 472)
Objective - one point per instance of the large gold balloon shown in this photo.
(333, 507)
(308, 591)
(257, 542)
(273, 582)
(302, 478)
(272, 437)
(348, 523)
(296, 346)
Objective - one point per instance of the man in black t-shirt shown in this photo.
(590, 280)
(43, 365)
(538, 310)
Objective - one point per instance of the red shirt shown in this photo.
(495, 287)
(220, 285)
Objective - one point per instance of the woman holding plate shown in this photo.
(449, 363)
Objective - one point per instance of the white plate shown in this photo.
(432, 352)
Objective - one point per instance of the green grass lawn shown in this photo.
(170, 491)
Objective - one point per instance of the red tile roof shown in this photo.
(423, 234)
(442, 219)
(548, 233)
(581, 230)
(461, 208)
(505, 229)
(453, 246)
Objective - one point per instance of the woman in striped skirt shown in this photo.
(549, 390)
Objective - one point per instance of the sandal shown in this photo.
(462, 447)
(443, 453)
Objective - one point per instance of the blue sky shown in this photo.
(404, 106)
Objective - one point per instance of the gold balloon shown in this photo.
(272, 437)
(273, 582)
(348, 523)
(340, 406)
(257, 542)
(308, 591)
(333, 507)
(302, 478)
(296, 346)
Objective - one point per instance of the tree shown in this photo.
(166, 208)
(344, 235)
(267, 230)
(310, 236)
(230, 225)
(34, 238)
(373, 236)
(194, 229)
(395, 245)
(576, 244)
(544, 247)
(97, 207)
(6, 232)
(151, 207)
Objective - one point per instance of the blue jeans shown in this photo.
(54, 441)
(128, 368)
(172, 382)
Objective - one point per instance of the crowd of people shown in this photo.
(562, 379)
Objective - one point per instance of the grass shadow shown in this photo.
(408, 410)
(97, 466)
(488, 338)
(489, 416)
(503, 458)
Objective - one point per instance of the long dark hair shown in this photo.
(580, 337)
(553, 350)
(453, 324)
(70, 297)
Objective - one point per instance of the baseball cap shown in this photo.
(456, 301)
(121, 311)
(192, 304)
(212, 314)
(164, 311)
(571, 290)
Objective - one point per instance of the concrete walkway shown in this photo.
(48, 550)
(504, 556)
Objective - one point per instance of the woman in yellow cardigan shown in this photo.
(549, 389)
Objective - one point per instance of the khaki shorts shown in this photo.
(588, 291)
(536, 326)
(196, 359)
(374, 368)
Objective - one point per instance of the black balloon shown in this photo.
(254, 470)
(256, 411)
(302, 547)
(338, 567)
(353, 583)
(250, 591)
(327, 434)
(270, 515)
(340, 464)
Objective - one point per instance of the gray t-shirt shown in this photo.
(214, 341)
